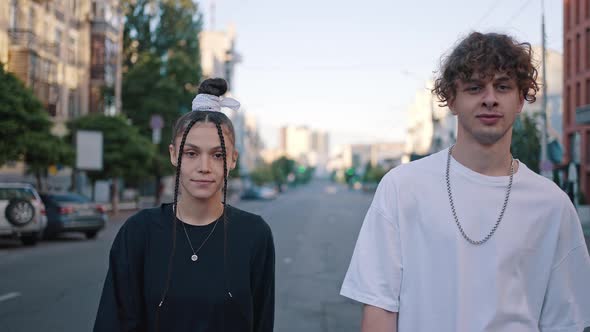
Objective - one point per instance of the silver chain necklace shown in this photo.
(485, 239)
(194, 257)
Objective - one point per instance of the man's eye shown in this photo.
(473, 88)
(504, 87)
(218, 156)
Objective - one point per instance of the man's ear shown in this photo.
(451, 105)
(173, 157)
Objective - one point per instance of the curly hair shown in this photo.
(487, 54)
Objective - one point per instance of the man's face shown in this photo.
(201, 171)
(486, 108)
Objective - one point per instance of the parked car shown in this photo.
(259, 192)
(72, 212)
(22, 212)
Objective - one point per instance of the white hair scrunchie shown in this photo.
(207, 102)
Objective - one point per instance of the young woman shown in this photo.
(197, 264)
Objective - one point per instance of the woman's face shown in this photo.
(201, 171)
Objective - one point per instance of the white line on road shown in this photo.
(9, 296)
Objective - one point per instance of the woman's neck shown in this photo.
(199, 212)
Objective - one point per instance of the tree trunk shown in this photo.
(115, 196)
(38, 178)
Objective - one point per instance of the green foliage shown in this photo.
(281, 168)
(126, 153)
(373, 174)
(262, 175)
(22, 115)
(161, 65)
(526, 142)
(26, 129)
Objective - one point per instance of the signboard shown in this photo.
(156, 123)
(89, 150)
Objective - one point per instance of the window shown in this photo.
(568, 57)
(567, 111)
(578, 50)
(566, 11)
(587, 48)
(588, 91)
(31, 26)
(578, 11)
(578, 94)
(57, 42)
(13, 14)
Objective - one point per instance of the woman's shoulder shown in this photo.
(149, 217)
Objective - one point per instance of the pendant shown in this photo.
(194, 258)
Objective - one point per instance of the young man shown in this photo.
(469, 239)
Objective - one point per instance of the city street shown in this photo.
(56, 285)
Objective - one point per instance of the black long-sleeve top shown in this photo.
(198, 298)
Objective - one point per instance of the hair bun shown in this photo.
(213, 86)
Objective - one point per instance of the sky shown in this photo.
(352, 68)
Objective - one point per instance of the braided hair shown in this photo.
(217, 87)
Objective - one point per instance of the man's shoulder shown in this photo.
(430, 165)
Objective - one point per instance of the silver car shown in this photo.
(22, 213)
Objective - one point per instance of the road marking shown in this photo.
(9, 296)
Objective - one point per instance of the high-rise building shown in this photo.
(66, 51)
(218, 59)
(576, 90)
(106, 21)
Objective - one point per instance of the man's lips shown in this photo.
(489, 118)
(489, 115)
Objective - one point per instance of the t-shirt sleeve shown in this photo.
(120, 307)
(566, 307)
(375, 272)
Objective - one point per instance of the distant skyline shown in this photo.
(352, 68)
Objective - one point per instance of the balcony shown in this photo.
(30, 40)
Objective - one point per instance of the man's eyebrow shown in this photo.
(502, 79)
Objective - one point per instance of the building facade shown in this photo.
(576, 91)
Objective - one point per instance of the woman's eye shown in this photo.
(190, 154)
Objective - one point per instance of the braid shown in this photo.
(224, 153)
(174, 218)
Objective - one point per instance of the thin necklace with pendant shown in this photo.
(485, 239)
(194, 256)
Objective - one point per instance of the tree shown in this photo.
(126, 154)
(21, 113)
(161, 66)
(526, 145)
(26, 130)
(43, 150)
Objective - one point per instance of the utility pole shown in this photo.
(212, 15)
(546, 166)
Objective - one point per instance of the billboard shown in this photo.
(89, 150)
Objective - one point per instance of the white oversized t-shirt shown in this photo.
(532, 275)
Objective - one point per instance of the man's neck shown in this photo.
(491, 160)
(197, 212)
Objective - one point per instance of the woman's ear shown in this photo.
(173, 157)
(234, 159)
